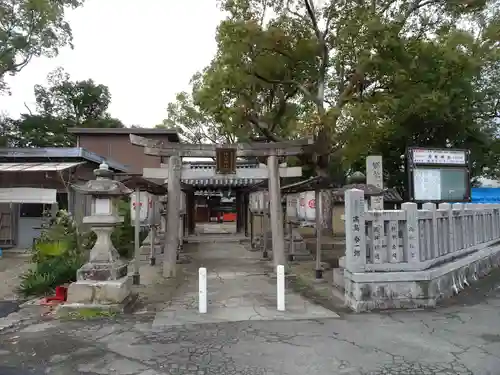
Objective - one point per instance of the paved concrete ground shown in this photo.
(454, 340)
(12, 266)
(462, 337)
(239, 288)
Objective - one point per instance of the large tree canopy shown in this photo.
(358, 76)
(61, 104)
(30, 28)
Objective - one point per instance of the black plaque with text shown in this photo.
(225, 160)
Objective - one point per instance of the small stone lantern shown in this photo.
(103, 279)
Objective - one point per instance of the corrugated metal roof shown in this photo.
(37, 167)
(48, 153)
(222, 182)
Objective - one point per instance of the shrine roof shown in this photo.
(220, 182)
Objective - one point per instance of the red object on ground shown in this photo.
(61, 295)
(229, 216)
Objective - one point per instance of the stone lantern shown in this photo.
(103, 279)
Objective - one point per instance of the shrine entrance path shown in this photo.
(240, 288)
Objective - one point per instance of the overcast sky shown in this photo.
(145, 51)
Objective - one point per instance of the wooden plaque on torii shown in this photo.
(225, 160)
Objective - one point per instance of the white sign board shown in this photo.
(441, 156)
(427, 184)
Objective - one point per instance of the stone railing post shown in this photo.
(459, 226)
(433, 249)
(355, 259)
(448, 231)
(411, 235)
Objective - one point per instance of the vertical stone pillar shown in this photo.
(275, 211)
(245, 212)
(374, 176)
(355, 237)
(411, 234)
(239, 213)
(192, 220)
(173, 214)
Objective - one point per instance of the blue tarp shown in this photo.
(485, 195)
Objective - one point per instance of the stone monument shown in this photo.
(102, 281)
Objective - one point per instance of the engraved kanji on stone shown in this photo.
(355, 227)
(355, 219)
(413, 255)
(357, 239)
(377, 256)
(377, 238)
(376, 229)
(394, 237)
(393, 247)
(357, 253)
(411, 229)
(394, 255)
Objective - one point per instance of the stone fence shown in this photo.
(408, 246)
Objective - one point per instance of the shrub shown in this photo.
(61, 250)
(57, 255)
(123, 235)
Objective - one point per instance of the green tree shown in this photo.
(31, 28)
(62, 104)
(289, 68)
(358, 76)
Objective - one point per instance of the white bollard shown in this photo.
(202, 292)
(280, 273)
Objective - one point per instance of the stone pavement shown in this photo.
(239, 288)
(11, 267)
(453, 340)
(461, 337)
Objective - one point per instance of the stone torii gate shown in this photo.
(226, 160)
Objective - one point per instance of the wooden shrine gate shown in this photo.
(225, 163)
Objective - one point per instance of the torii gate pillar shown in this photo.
(276, 212)
(173, 216)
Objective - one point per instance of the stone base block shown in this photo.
(338, 278)
(94, 310)
(112, 292)
(417, 289)
(102, 271)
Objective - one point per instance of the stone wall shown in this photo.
(395, 290)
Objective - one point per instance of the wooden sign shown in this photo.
(225, 160)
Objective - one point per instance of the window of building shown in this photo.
(32, 209)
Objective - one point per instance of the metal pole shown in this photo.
(251, 230)
(202, 290)
(152, 257)
(280, 287)
(292, 245)
(317, 198)
(264, 228)
(136, 277)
